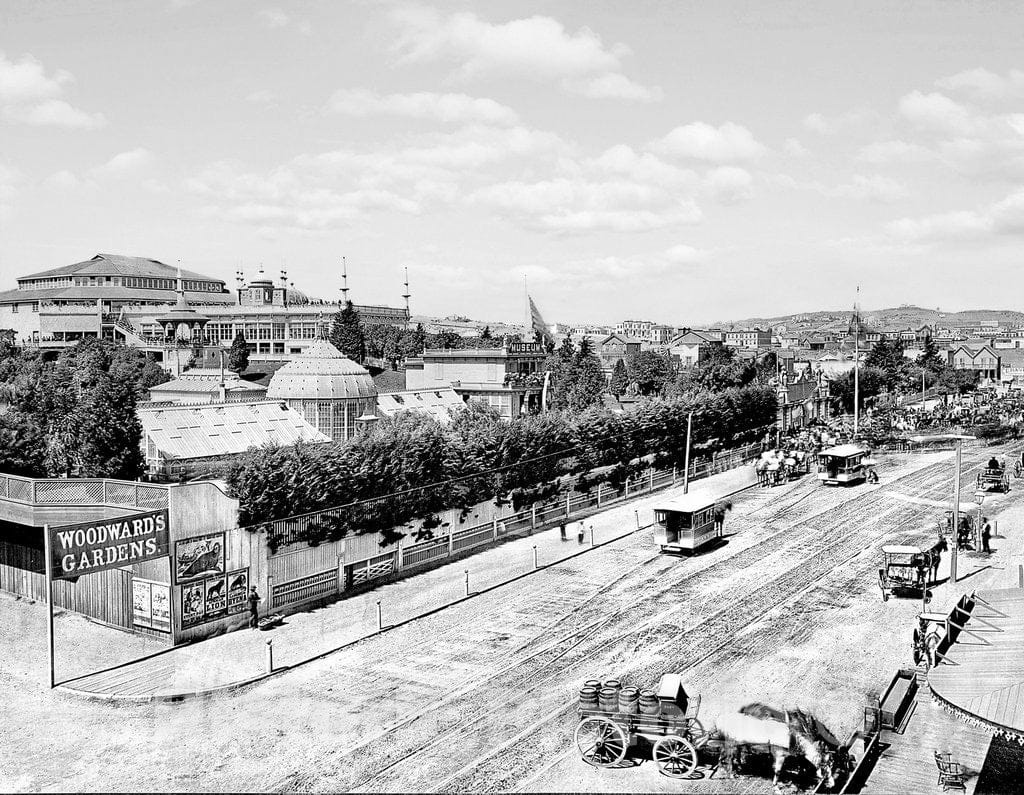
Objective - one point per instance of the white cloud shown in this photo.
(600, 273)
(729, 184)
(9, 179)
(537, 47)
(263, 96)
(827, 125)
(685, 255)
(29, 96)
(275, 18)
(449, 108)
(701, 141)
(124, 163)
(894, 151)
(613, 85)
(794, 148)
(337, 187)
(870, 188)
(576, 206)
(63, 180)
(942, 226)
(937, 112)
(1004, 217)
(982, 84)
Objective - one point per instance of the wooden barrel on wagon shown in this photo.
(649, 703)
(629, 700)
(609, 699)
(589, 698)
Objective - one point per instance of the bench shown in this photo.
(895, 704)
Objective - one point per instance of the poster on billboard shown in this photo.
(107, 544)
(216, 598)
(151, 605)
(142, 603)
(160, 606)
(196, 558)
(193, 604)
(238, 591)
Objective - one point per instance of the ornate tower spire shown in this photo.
(406, 296)
(344, 282)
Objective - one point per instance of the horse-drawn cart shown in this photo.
(994, 479)
(623, 718)
(903, 569)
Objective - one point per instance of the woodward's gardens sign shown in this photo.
(94, 546)
(78, 549)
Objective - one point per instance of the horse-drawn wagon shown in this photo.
(994, 477)
(614, 719)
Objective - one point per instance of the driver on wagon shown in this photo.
(993, 463)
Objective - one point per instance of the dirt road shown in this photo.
(481, 696)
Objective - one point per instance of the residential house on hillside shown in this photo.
(984, 361)
(749, 338)
(613, 348)
(687, 350)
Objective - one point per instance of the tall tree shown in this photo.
(648, 370)
(587, 378)
(347, 333)
(929, 358)
(620, 379)
(238, 355)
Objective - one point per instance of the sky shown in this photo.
(682, 162)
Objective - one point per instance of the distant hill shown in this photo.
(896, 317)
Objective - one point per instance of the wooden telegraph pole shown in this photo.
(49, 604)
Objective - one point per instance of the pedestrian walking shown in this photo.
(561, 529)
(254, 610)
(579, 533)
(986, 534)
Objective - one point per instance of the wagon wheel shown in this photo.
(676, 757)
(696, 733)
(601, 742)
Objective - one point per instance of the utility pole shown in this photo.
(686, 463)
(856, 365)
(956, 511)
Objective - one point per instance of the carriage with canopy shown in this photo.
(904, 568)
(994, 477)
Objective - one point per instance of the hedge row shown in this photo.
(419, 467)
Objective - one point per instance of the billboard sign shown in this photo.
(196, 558)
(108, 544)
(214, 597)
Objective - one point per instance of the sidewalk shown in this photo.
(240, 658)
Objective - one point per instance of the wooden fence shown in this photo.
(306, 573)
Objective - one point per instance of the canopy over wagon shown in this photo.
(903, 568)
(843, 464)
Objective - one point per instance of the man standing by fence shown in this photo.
(254, 610)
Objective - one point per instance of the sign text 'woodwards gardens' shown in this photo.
(94, 546)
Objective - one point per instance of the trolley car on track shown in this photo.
(842, 465)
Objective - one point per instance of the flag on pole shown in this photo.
(537, 322)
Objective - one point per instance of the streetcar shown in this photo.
(842, 465)
(687, 523)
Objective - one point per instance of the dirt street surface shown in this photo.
(481, 696)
